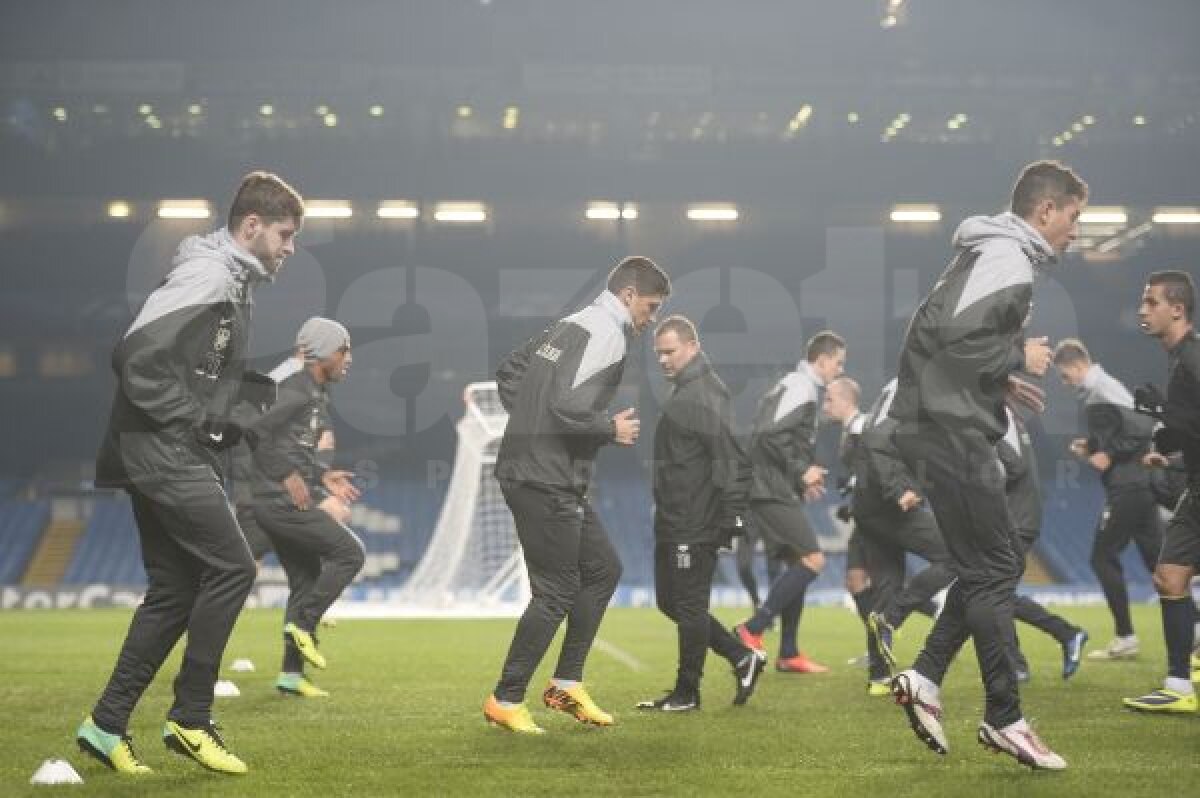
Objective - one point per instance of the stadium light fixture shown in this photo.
(328, 209)
(464, 111)
(195, 109)
(119, 209)
(330, 120)
(184, 209)
(460, 212)
(915, 213)
(60, 114)
(1139, 120)
(145, 109)
(602, 212)
(1176, 216)
(375, 111)
(397, 209)
(266, 109)
(1100, 214)
(713, 212)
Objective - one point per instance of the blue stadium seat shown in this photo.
(21, 526)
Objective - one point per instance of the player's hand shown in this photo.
(1038, 355)
(297, 491)
(1079, 448)
(1100, 461)
(1023, 393)
(814, 483)
(336, 509)
(909, 500)
(1148, 400)
(1155, 460)
(626, 427)
(338, 483)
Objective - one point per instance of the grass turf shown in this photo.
(404, 718)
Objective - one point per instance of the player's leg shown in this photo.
(156, 627)
(917, 532)
(1112, 536)
(549, 525)
(1173, 579)
(599, 570)
(200, 520)
(743, 547)
(303, 568)
(787, 532)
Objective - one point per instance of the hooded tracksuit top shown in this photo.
(179, 364)
(1115, 429)
(556, 389)
(966, 337)
(783, 443)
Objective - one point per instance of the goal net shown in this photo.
(473, 564)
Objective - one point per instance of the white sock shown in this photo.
(508, 704)
(564, 684)
(1020, 726)
(1181, 686)
(1128, 639)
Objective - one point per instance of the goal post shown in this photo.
(473, 565)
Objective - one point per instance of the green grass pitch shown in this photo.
(404, 718)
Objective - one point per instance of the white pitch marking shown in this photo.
(620, 655)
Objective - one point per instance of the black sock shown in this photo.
(789, 628)
(1178, 631)
(864, 602)
(790, 586)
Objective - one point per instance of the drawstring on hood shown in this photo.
(219, 245)
(977, 230)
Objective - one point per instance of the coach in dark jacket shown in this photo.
(178, 369)
(701, 481)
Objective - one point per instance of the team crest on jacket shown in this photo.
(551, 353)
(213, 361)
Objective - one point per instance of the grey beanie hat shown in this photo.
(320, 338)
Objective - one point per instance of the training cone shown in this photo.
(242, 666)
(226, 689)
(56, 771)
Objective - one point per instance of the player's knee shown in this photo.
(813, 561)
(856, 580)
(1169, 584)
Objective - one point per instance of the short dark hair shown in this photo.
(680, 325)
(1071, 351)
(851, 386)
(1178, 289)
(265, 195)
(642, 274)
(1042, 180)
(826, 342)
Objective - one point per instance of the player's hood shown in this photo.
(220, 246)
(982, 232)
(1099, 387)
